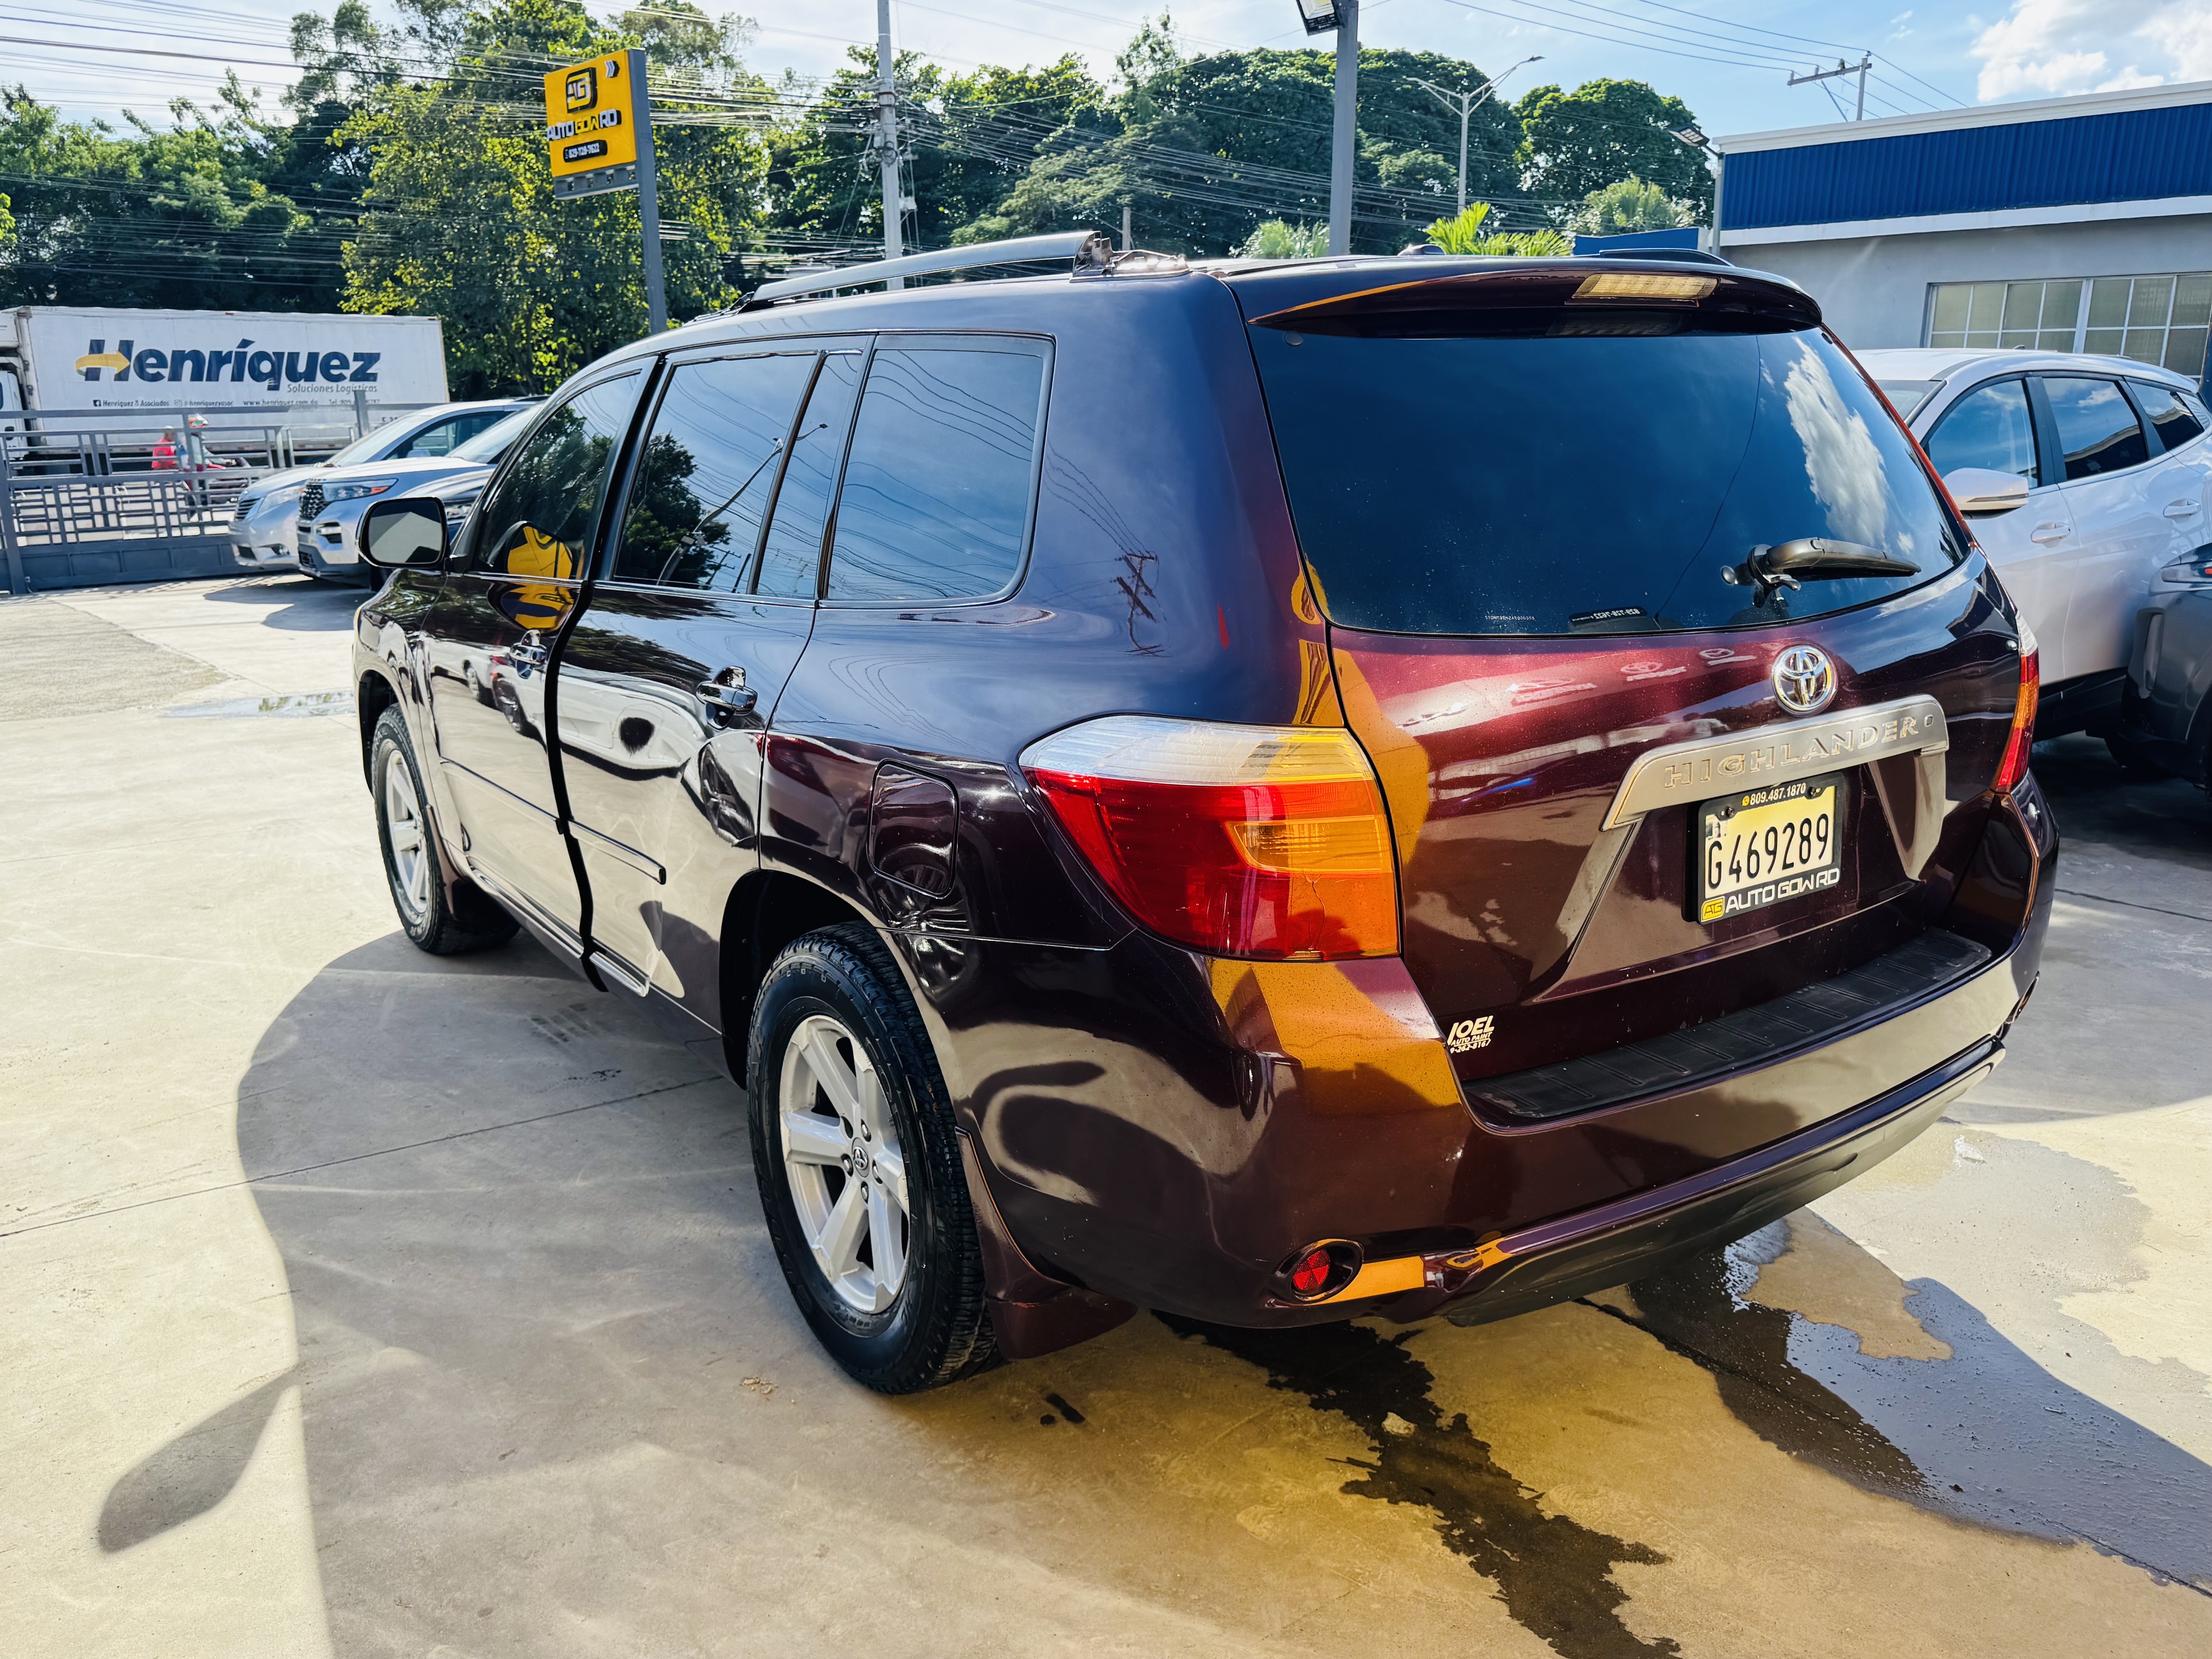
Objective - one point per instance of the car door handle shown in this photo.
(2183, 508)
(2049, 532)
(727, 695)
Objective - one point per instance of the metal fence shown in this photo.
(86, 495)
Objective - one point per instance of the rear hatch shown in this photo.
(1584, 534)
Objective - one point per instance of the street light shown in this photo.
(1318, 15)
(1710, 154)
(1467, 103)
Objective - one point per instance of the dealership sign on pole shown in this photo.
(599, 138)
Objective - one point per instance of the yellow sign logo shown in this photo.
(586, 128)
(114, 360)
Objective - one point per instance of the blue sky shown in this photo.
(1730, 60)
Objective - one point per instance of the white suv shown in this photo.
(265, 531)
(2119, 472)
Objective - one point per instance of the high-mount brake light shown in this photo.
(2013, 767)
(1644, 285)
(1239, 840)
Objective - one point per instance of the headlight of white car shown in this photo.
(283, 495)
(355, 490)
(2194, 571)
(457, 508)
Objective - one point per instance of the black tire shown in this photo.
(936, 1329)
(418, 894)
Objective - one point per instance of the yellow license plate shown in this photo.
(1766, 847)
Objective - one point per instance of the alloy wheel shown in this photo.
(843, 1164)
(405, 834)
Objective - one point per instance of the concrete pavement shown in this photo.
(360, 1302)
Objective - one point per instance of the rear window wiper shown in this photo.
(1815, 559)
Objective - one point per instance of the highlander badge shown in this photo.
(1804, 679)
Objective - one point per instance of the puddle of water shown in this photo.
(295, 705)
(1553, 1574)
(1987, 1435)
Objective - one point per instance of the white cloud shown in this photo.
(2043, 48)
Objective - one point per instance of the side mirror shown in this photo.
(1979, 492)
(408, 534)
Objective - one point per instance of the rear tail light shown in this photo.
(2013, 767)
(1239, 840)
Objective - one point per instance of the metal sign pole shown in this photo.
(648, 192)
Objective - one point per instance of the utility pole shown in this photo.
(886, 138)
(1344, 140)
(1465, 104)
(1859, 69)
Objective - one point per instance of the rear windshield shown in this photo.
(1521, 481)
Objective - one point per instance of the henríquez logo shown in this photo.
(276, 370)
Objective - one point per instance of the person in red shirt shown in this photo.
(164, 451)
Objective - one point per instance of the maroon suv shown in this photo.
(1276, 792)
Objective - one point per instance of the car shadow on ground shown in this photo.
(545, 1349)
(310, 605)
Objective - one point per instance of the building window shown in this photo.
(2153, 319)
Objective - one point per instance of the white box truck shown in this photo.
(99, 368)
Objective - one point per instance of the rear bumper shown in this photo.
(1134, 1152)
(1578, 1255)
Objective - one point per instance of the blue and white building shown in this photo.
(2067, 224)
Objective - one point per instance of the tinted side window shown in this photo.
(436, 439)
(447, 436)
(2097, 427)
(936, 499)
(1991, 426)
(791, 558)
(2170, 416)
(704, 476)
(537, 519)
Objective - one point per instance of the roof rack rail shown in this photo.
(1087, 248)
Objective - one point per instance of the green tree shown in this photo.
(147, 215)
(1464, 234)
(1629, 205)
(1206, 150)
(1277, 239)
(972, 139)
(1604, 132)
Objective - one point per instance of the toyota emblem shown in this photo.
(1804, 679)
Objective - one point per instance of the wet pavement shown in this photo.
(363, 1302)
